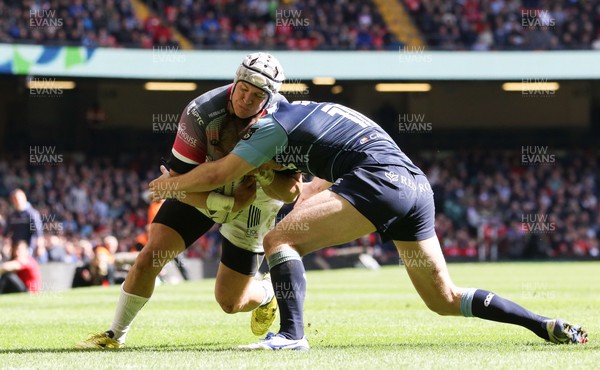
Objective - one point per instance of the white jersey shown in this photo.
(206, 133)
(247, 228)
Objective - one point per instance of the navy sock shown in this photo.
(289, 284)
(489, 306)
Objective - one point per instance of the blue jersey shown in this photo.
(326, 140)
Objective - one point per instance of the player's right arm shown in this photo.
(243, 196)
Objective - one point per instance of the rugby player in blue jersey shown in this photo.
(363, 183)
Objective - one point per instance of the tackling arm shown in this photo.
(214, 201)
(205, 177)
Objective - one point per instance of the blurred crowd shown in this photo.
(91, 208)
(541, 210)
(85, 211)
(302, 24)
(228, 24)
(508, 24)
(292, 25)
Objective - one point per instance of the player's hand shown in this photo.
(160, 188)
(244, 194)
(308, 190)
(270, 165)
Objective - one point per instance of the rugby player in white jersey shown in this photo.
(211, 125)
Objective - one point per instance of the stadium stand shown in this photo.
(303, 25)
(482, 199)
(306, 24)
(508, 25)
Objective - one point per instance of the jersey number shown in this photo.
(333, 109)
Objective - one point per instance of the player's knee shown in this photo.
(270, 243)
(228, 305)
(149, 262)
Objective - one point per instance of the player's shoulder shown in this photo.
(210, 104)
(286, 113)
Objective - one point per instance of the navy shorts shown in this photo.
(240, 260)
(191, 224)
(398, 202)
(186, 220)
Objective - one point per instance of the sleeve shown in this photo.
(262, 144)
(189, 148)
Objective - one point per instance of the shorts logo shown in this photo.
(488, 299)
(364, 140)
(392, 176)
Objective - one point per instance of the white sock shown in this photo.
(269, 292)
(127, 308)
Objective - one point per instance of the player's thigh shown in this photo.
(428, 271)
(187, 221)
(323, 220)
(236, 272)
(230, 285)
(175, 227)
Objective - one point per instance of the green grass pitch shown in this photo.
(355, 319)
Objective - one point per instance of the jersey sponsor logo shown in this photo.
(192, 105)
(192, 141)
(392, 176)
(374, 135)
(192, 109)
(488, 299)
(250, 133)
(408, 182)
(216, 113)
